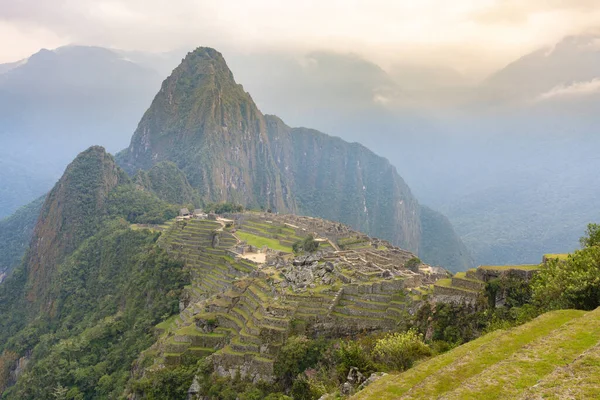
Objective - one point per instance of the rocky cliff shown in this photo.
(206, 123)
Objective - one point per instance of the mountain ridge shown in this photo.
(205, 123)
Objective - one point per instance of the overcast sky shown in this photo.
(473, 36)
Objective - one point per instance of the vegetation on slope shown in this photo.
(109, 294)
(15, 234)
(501, 364)
(168, 183)
(105, 286)
(524, 361)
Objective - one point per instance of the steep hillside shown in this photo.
(168, 183)
(15, 234)
(554, 356)
(72, 212)
(108, 261)
(229, 151)
(89, 279)
(440, 244)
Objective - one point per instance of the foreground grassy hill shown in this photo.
(555, 356)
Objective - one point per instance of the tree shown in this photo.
(309, 244)
(413, 264)
(400, 350)
(592, 237)
(574, 283)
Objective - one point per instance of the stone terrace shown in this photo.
(241, 313)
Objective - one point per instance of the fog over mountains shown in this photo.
(454, 140)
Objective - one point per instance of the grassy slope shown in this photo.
(260, 241)
(549, 351)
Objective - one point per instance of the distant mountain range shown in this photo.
(57, 103)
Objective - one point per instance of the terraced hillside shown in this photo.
(555, 356)
(250, 292)
(469, 286)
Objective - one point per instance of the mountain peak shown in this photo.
(198, 104)
(206, 124)
(71, 213)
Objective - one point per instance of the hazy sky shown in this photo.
(470, 35)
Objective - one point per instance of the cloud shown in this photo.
(470, 35)
(576, 89)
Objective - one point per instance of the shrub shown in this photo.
(298, 354)
(309, 244)
(413, 264)
(571, 284)
(400, 350)
(353, 354)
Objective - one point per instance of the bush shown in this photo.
(309, 244)
(298, 354)
(413, 264)
(223, 208)
(353, 354)
(571, 284)
(399, 351)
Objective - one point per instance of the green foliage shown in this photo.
(308, 244)
(353, 353)
(16, 232)
(574, 283)
(223, 208)
(298, 354)
(168, 183)
(140, 207)
(304, 389)
(515, 291)
(166, 383)
(215, 387)
(413, 262)
(592, 236)
(108, 296)
(399, 351)
(450, 322)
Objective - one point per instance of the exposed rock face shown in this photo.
(205, 122)
(71, 213)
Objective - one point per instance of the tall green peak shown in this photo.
(198, 105)
(71, 212)
(210, 128)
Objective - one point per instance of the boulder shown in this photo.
(374, 377)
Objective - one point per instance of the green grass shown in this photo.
(444, 282)
(501, 364)
(527, 267)
(578, 380)
(189, 330)
(510, 377)
(560, 257)
(259, 241)
(167, 324)
(152, 228)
